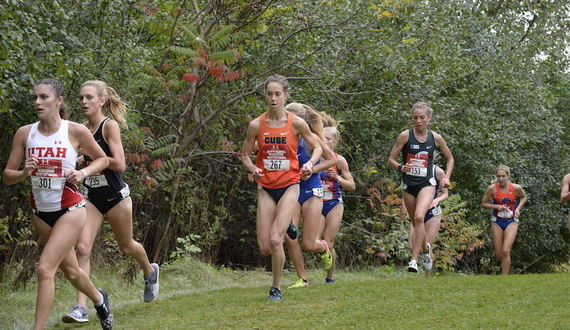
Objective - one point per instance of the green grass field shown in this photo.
(196, 296)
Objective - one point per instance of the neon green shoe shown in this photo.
(301, 283)
(326, 257)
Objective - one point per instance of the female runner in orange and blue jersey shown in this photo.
(506, 213)
(333, 180)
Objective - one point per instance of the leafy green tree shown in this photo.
(495, 73)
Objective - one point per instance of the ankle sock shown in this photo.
(100, 303)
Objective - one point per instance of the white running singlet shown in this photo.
(56, 155)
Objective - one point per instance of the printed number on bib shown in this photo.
(327, 190)
(276, 165)
(275, 157)
(44, 183)
(419, 164)
(48, 175)
(327, 195)
(436, 211)
(96, 181)
(505, 214)
(318, 192)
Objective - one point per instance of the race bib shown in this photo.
(326, 190)
(318, 192)
(505, 214)
(276, 165)
(419, 165)
(276, 157)
(96, 180)
(436, 211)
(48, 175)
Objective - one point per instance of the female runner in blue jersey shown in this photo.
(310, 202)
(333, 180)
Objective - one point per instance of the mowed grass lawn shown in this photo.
(195, 296)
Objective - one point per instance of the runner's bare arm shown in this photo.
(12, 173)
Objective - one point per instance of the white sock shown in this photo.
(100, 303)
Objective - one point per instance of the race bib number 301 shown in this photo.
(48, 175)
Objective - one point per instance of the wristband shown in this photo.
(84, 173)
(310, 162)
(400, 167)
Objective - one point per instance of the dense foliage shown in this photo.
(494, 71)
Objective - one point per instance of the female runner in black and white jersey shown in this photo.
(417, 146)
(106, 193)
(432, 221)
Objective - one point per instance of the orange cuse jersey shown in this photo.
(277, 156)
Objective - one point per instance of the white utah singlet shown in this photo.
(56, 155)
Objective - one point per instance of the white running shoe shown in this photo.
(413, 267)
(77, 315)
(428, 262)
(151, 285)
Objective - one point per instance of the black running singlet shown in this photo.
(420, 156)
(106, 181)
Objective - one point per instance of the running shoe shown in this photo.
(413, 267)
(428, 262)
(275, 294)
(78, 314)
(292, 231)
(104, 312)
(151, 284)
(329, 281)
(326, 257)
(301, 283)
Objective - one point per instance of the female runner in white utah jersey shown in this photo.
(106, 193)
(50, 147)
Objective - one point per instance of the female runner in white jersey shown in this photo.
(50, 147)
